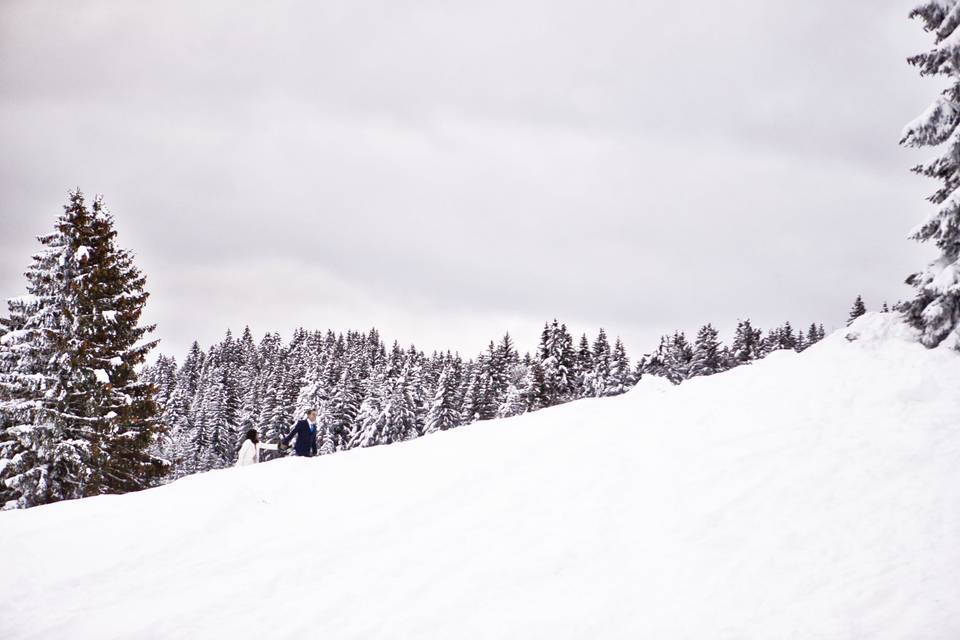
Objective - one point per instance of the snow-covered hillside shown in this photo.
(806, 496)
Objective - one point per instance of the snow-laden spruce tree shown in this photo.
(599, 377)
(473, 394)
(935, 309)
(215, 438)
(517, 399)
(443, 414)
(179, 428)
(558, 362)
(343, 409)
(583, 368)
(416, 389)
(111, 299)
(782, 338)
(400, 408)
(621, 375)
(858, 309)
(505, 357)
(370, 418)
(495, 375)
(43, 457)
(813, 334)
(706, 353)
(671, 360)
(677, 357)
(313, 394)
(79, 421)
(747, 343)
(326, 440)
(392, 417)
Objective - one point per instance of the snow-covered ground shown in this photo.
(806, 496)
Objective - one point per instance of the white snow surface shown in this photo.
(805, 496)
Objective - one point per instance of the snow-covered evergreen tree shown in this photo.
(520, 382)
(599, 377)
(396, 420)
(371, 418)
(583, 368)
(640, 368)
(443, 414)
(313, 394)
(417, 391)
(343, 409)
(473, 395)
(857, 310)
(679, 355)
(219, 436)
(747, 343)
(801, 341)
(936, 308)
(326, 441)
(179, 428)
(79, 420)
(707, 359)
(495, 375)
(192, 367)
(671, 360)
(163, 376)
(485, 393)
(41, 460)
(813, 335)
(779, 338)
(270, 418)
(621, 376)
(537, 394)
(558, 363)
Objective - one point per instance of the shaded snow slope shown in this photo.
(806, 496)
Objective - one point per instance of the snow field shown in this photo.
(812, 495)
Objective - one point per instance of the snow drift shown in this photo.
(805, 496)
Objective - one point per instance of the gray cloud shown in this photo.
(451, 170)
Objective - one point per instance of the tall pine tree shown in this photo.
(935, 310)
(79, 421)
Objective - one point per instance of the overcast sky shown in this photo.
(450, 170)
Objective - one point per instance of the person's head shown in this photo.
(253, 436)
(312, 415)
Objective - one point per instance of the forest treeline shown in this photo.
(369, 394)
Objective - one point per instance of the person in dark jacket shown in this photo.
(306, 432)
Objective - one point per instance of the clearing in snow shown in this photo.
(804, 496)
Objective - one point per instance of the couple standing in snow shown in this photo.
(306, 444)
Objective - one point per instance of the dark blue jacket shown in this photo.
(306, 444)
